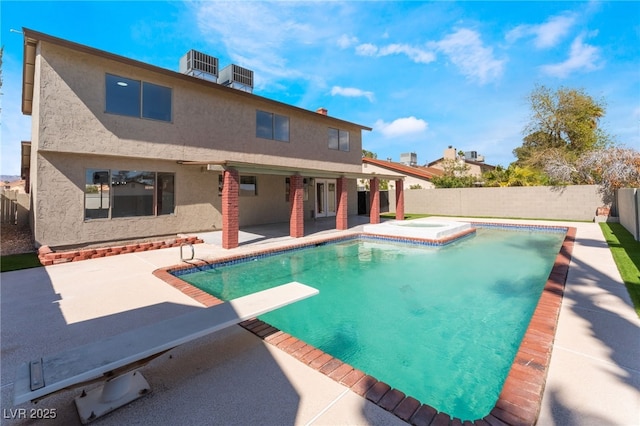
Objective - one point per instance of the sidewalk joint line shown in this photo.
(603, 361)
(325, 409)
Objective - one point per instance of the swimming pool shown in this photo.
(435, 338)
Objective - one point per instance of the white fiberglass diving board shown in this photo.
(94, 360)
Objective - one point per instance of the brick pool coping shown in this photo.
(520, 399)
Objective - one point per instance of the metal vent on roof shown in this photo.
(198, 64)
(237, 77)
(471, 155)
(409, 158)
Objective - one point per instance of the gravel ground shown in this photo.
(15, 240)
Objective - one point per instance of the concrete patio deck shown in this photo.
(235, 378)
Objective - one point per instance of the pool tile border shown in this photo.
(520, 399)
(201, 265)
(421, 241)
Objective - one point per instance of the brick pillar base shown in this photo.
(374, 210)
(296, 203)
(399, 199)
(343, 210)
(230, 209)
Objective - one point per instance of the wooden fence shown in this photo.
(14, 208)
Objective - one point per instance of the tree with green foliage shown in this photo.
(455, 175)
(369, 154)
(563, 123)
(515, 175)
(453, 181)
(383, 185)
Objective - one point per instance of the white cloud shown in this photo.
(345, 41)
(401, 127)
(465, 49)
(262, 35)
(366, 49)
(582, 57)
(416, 54)
(351, 92)
(547, 34)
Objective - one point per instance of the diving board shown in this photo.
(113, 360)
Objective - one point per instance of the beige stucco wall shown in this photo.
(577, 202)
(60, 213)
(209, 123)
(35, 143)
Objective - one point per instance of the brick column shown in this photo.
(399, 199)
(230, 208)
(374, 208)
(342, 211)
(296, 203)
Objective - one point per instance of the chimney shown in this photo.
(450, 153)
(322, 111)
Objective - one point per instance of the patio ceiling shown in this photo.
(266, 169)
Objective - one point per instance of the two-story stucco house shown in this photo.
(122, 149)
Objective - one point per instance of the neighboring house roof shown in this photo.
(32, 37)
(415, 171)
(16, 185)
(475, 163)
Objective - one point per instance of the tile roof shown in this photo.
(415, 171)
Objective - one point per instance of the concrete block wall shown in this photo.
(575, 202)
(629, 210)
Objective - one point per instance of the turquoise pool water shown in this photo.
(440, 324)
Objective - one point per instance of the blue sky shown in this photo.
(423, 75)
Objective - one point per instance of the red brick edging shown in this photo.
(520, 399)
(49, 257)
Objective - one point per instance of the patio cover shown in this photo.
(267, 169)
(232, 169)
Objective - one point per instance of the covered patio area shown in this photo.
(279, 232)
(231, 186)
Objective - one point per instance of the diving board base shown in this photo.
(113, 394)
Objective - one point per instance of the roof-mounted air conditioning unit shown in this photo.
(237, 77)
(409, 158)
(200, 65)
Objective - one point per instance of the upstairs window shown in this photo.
(156, 102)
(123, 96)
(272, 126)
(135, 98)
(338, 139)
